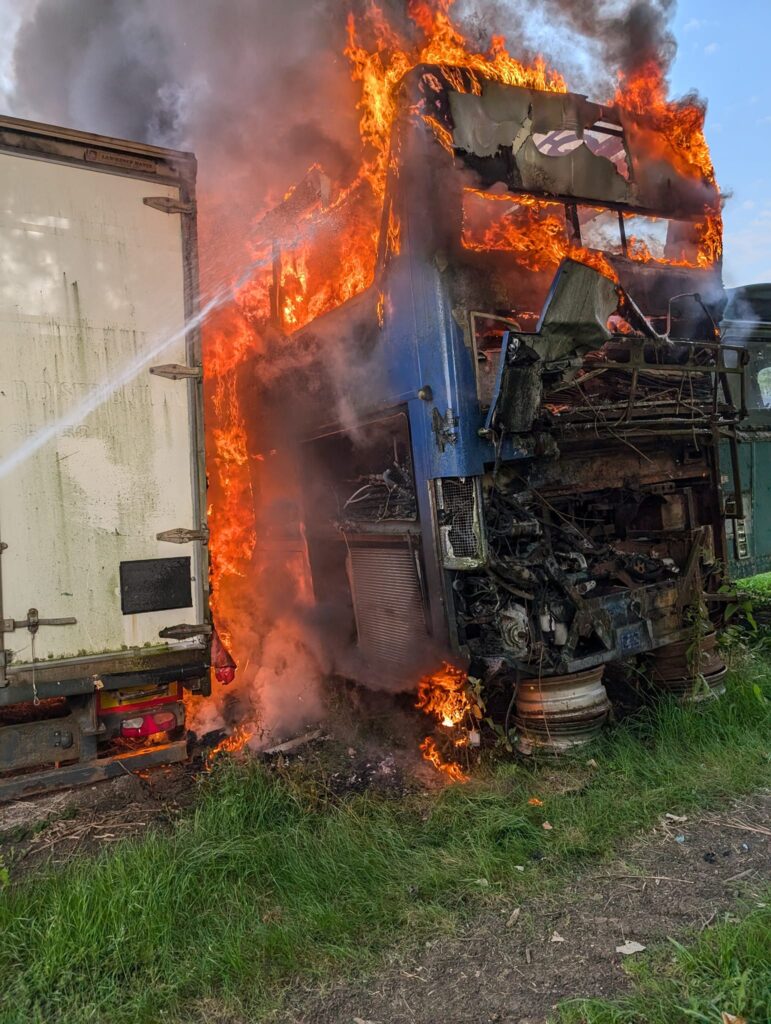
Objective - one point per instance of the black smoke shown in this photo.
(266, 82)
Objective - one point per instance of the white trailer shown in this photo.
(103, 557)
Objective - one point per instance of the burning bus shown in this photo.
(506, 451)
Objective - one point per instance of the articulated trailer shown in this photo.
(104, 618)
(520, 446)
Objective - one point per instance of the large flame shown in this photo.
(380, 70)
(534, 232)
(332, 252)
(644, 92)
(679, 127)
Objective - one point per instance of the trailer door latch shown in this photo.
(168, 204)
(183, 535)
(33, 622)
(177, 371)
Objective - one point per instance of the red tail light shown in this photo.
(148, 725)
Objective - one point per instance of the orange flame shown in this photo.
(443, 695)
(231, 744)
(644, 92)
(679, 136)
(431, 754)
(534, 232)
(380, 70)
(317, 275)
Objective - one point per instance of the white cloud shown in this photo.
(711, 48)
(747, 257)
(693, 25)
(12, 13)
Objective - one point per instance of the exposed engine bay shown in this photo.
(572, 580)
(595, 535)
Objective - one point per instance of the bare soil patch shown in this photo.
(512, 967)
(50, 830)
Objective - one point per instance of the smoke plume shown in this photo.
(261, 90)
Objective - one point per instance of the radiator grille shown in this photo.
(458, 510)
(387, 603)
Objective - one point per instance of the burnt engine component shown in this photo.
(566, 578)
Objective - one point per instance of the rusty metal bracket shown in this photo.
(444, 428)
(177, 371)
(183, 535)
(167, 204)
(689, 586)
(18, 787)
(186, 631)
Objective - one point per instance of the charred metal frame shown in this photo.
(20, 787)
(422, 355)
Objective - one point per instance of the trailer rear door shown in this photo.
(97, 455)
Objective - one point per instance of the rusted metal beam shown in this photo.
(18, 787)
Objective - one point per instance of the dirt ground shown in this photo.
(52, 829)
(514, 968)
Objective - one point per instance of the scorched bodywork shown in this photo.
(508, 447)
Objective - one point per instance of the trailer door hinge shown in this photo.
(33, 622)
(182, 535)
(177, 371)
(184, 631)
(167, 204)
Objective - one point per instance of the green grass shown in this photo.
(267, 879)
(727, 968)
(758, 587)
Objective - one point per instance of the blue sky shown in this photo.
(724, 51)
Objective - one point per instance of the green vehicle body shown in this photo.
(747, 323)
